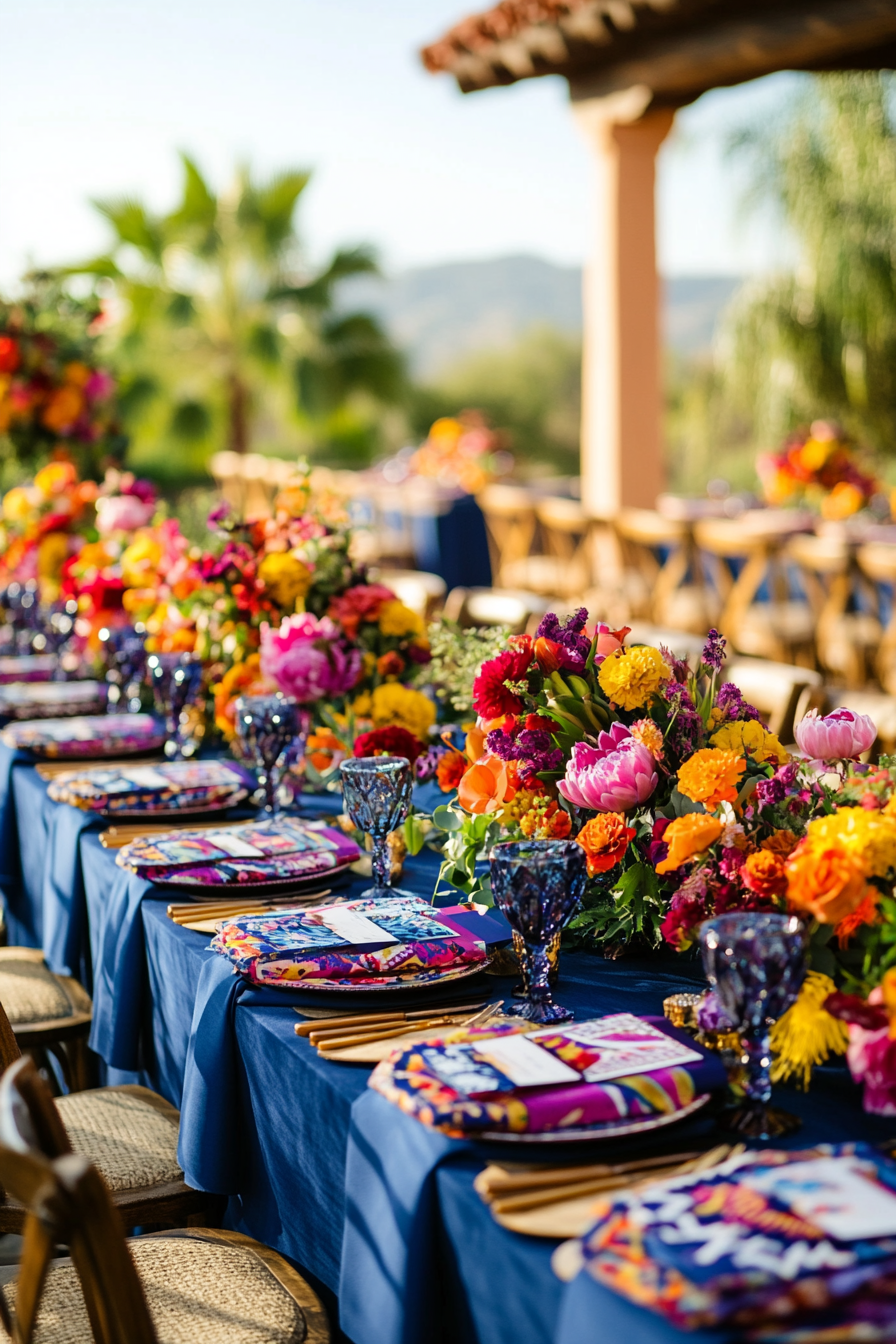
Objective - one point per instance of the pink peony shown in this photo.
(123, 513)
(871, 1057)
(842, 735)
(605, 779)
(308, 658)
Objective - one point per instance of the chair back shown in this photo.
(877, 562)
(510, 522)
(9, 1046)
(566, 534)
(68, 1203)
(422, 592)
(494, 606)
(663, 577)
(774, 688)
(843, 604)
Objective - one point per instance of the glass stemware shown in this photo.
(755, 963)
(271, 731)
(126, 667)
(537, 885)
(175, 679)
(377, 794)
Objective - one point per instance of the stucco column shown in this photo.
(622, 444)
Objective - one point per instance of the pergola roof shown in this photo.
(676, 48)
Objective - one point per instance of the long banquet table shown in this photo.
(379, 1210)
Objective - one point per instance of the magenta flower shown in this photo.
(123, 513)
(839, 736)
(309, 659)
(609, 780)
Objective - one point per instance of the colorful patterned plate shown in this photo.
(608, 1129)
(94, 735)
(51, 699)
(398, 983)
(167, 789)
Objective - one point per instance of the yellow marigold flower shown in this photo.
(55, 478)
(748, 736)
(140, 560)
(362, 705)
(394, 703)
(871, 836)
(17, 504)
(687, 837)
(286, 579)
(650, 736)
(629, 677)
(806, 1035)
(396, 619)
(711, 776)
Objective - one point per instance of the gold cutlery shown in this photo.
(50, 769)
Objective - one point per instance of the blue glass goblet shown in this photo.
(537, 885)
(271, 731)
(175, 679)
(755, 963)
(125, 652)
(377, 794)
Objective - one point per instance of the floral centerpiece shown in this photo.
(819, 469)
(44, 523)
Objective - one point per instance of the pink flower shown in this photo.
(839, 736)
(611, 780)
(308, 658)
(123, 513)
(608, 641)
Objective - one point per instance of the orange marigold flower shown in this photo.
(486, 786)
(649, 735)
(687, 837)
(605, 839)
(390, 664)
(782, 842)
(827, 883)
(450, 770)
(323, 748)
(763, 872)
(711, 777)
(546, 820)
(864, 913)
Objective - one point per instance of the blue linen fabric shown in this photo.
(20, 915)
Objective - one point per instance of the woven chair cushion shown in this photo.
(126, 1138)
(30, 992)
(198, 1293)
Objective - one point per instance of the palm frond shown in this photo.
(134, 225)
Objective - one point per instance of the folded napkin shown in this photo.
(87, 735)
(145, 788)
(755, 1240)
(512, 1079)
(45, 699)
(271, 851)
(27, 667)
(370, 941)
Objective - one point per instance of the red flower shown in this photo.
(391, 664)
(9, 354)
(492, 698)
(450, 770)
(389, 741)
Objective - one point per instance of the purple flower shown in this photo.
(308, 658)
(732, 705)
(769, 792)
(609, 781)
(679, 666)
(427, 762)
(713, 654)
(838, 736)
(569, 636)
(532, 748)
(219, 514)
(686, 733)
(711, 1016)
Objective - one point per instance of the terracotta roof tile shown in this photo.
(480, 31)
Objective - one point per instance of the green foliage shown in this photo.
(633, 909)
(469, 840)
(457, 656)
(225, 339)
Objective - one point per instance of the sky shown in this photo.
(97, 97)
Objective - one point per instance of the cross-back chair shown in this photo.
(179, 1286)
(665, 584)
(49, 1013)
(495, 606)
(846, 635)
(774, 688)
(877, 562)
(566, 535)
(130, 1133)
(510, 524)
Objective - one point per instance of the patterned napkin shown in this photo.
(258, 852)
(149, 788)
(45, 699)
(87, 735)
(371, 941)
(509, 1078)
(754, 1240)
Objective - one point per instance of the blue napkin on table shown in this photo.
(20, 930)
(119, 972)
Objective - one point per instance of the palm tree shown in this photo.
(221, 337)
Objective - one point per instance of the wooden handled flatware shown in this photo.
(119, 835)
(50, 769)
(205, 911)
(378, 1019)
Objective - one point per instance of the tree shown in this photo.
(222, 338)
(821, 342)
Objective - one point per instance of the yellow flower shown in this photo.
(844, 500)
(52, 551)
(17, 504)
(286, 579)
(687, 837)
(362, 706)
(871, 836)
(396, 619)
(629, 677)
(140, 560)
(711, 777)
(806, 1035)
(748, 736)
(55, 478)
(394, 703)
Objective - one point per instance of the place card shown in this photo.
(841, 1195)
(614, 1047)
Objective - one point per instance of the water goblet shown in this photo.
(125, 651)
(537, 885)
(271, 732)
(175, 679)
(377, 794)
(755, 963)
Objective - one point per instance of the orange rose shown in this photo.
(323, 748)
(782, 842)
(763, 873)
(827, 883)
(604, 839)
(687, 837)
(711, 776)
(864, 913)
(486, 786)
(63, 409)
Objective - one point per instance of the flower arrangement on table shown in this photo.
(818, 469)
(44, 523)
(687, 807)
(461, 452)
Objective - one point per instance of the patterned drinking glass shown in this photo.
(125, 652)
(755, 963)
(537, 885)
(175, 679)
(271, 730)
(377, 794)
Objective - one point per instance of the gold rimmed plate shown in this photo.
(607, 1129)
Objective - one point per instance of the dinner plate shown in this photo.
(86, 737)
(607, 1129)
(51, 699)
(171, 813)
(408, 984)
(194, 891)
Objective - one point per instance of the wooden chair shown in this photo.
(774, 688)
(422, 592)
(566, 534)
(877, 562)
(738, 561)
(510, 524)
(130, 1134)
(846, 638)
(48, 1013)
(179, 1286)
(679, 642)
(666, 586)
(495, 606)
